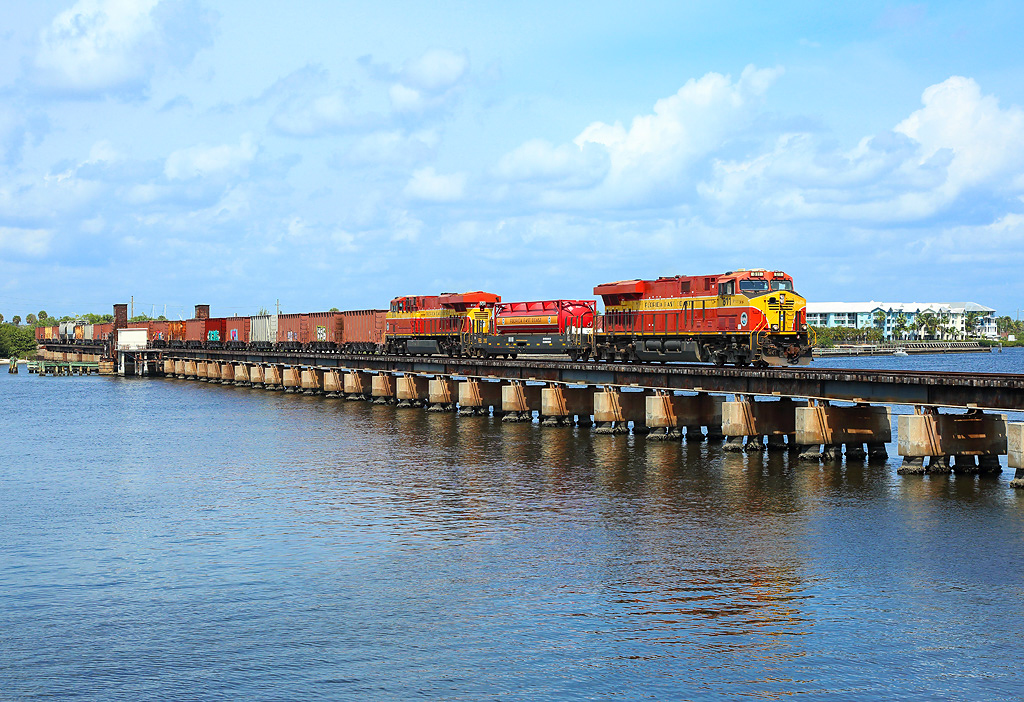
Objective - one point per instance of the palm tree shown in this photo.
(42, 315)
(901, 325)
(927, 323)
(17, 320)
(971, 322)
(880, 317)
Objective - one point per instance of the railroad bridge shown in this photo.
(956, 424)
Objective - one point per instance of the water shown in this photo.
(166, 540)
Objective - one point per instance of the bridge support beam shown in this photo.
(518, 400)
(201, 370)
(1015, 451)
(227, 373)
(272, 379)
(382, 387)
(291, 379)
(674, 412)
(412, 391)
(179, 369)
(334, 383)
(441, 394)
(614, 409)
(974, 441)
(312, 381)
(835, 427)
(358, 385)
(746, 419)
(559, 404)
(257, 375)
(242, 374)
(168, 367)
(191, 369)
(477, 396)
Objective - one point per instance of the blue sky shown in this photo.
(331, 154)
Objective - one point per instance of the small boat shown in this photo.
(900, 352)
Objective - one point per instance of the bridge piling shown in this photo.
(242, 375)
(744, 418)
(1015, 452)
(291, 379)
(614, 409)
(518, 400)
(673, 412)
(312, 379)
(835, 427)
(964, 437)
(227, 373)
(334, 385)
(441, 394)
(257, 375)
(477, 397)
(412, 390)
(358, 385)
(382, 388)
(559, 404)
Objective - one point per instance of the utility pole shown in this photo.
(279, 307)
(133, 308)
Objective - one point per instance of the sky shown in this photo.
(335, 154)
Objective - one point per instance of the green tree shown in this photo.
(140, 318)
(16, 342)
(2, 319)
(334, 309)
(30, 319)
(901, 325)
(42, 315)
(972, 320)
(928, 323)
(16, 320)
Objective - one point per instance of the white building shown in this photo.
(950, 318)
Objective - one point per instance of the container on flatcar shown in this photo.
(79, 333)
(262, 331)
(292, 330)
(325, 330)
(363, 330)
(236, 332)
(87, 332)
(544, 316)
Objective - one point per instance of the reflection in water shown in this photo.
(366, 551)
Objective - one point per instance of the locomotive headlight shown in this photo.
(775, 327)
(782, 298)
(803, 327)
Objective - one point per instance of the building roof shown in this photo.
(913, 307)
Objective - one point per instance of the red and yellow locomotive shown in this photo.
(741, 317)
(436, 324)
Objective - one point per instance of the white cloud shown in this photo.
(429, 81)
(430, 186)
(395, 147)
(960, 142)
(114, 46)
(28, 242)
(652, 161)
(205, 161)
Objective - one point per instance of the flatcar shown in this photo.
(740, 317)
(540, 326)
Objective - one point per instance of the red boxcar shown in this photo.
(159, 331)
(363, 330)
(195, 332)
(292, 330)
(543, 316)
(325, 330)
(236, 331)
(216, 330)
(100, 332)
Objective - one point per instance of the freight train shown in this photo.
(740, 317)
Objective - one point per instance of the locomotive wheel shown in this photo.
(574, 355)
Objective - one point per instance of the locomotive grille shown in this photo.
(781, 306)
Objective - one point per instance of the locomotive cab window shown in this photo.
(782, 285)
(754, 286)
(728, 288)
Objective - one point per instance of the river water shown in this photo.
(172, 540)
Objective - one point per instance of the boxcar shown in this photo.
(262, 332)
(292, 331)
(362, 331)
(236, 332)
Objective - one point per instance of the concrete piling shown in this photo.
(745, 418)
(833, 427)
(962, 436)
(477, 396)
(358, 385)
(382, 388)
(614, 409)
(442, 394)
(412, 390)
(560, 403)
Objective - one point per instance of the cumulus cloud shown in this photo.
(27, 242)
(430, 186)
(18, 131)
(960, 142)
(653, 160)
(393, 148)
(429, 81)
(206, 161)
(100, 47)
